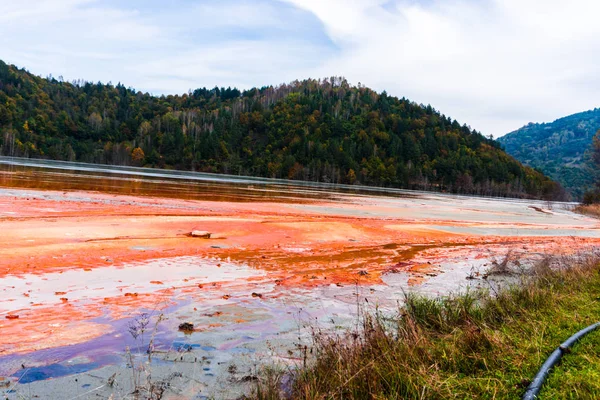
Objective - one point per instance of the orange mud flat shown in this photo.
(355, 240)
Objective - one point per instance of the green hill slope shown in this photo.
(559, 149)
(318, 130)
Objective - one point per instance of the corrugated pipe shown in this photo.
(536, 385)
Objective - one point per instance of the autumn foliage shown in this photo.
(318, 130)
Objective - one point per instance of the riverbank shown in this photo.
(476, 345)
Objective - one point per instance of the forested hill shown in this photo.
(317, 130)
(560, 149)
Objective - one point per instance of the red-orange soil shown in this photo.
(296, 247)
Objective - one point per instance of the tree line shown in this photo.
(592, 196)
(560, 149)
(323, 130)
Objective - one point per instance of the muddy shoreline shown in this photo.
(80, 265)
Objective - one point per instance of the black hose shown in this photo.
(536, 385)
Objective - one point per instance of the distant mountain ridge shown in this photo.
(560, 149)
(322, 130)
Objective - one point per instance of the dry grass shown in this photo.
(592, 210)
(473, 345)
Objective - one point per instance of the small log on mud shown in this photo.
(200, 234)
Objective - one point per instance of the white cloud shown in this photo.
(243, 14)
(242, 64)
(162, 47)
(493, 64)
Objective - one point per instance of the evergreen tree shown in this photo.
(320, 130)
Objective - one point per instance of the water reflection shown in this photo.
(57, 175)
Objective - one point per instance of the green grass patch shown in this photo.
(474, 345)
(578, 375)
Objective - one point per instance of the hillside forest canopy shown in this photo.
(561, 149)
(322, 130)
(592, 196)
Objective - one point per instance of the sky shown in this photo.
(495, 65)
